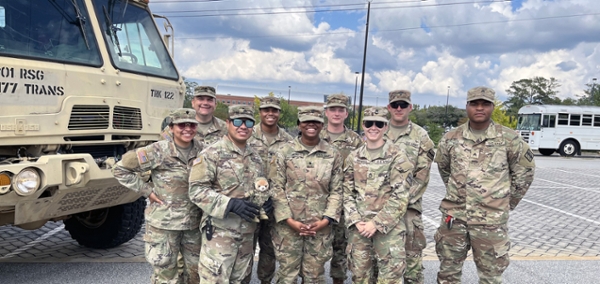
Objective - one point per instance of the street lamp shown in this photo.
(354, 101)
(593, 88)
(289, 92)
(446, 115)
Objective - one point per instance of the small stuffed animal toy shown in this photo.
(260, 195)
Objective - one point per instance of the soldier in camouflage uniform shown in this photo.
(172, 220)
(307, 185)
(219, 180)
(418, 147)
(377, 179)
(487, 169)
(345, 140)
(210, 128)
(266, 137)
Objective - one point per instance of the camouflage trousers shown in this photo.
(301, 256)
(415, 243)
(387, 250)
(163, 246)
(266, 256)
(225, 258)
(339, 263)
(490, 245)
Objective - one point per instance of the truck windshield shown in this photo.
(529, 122)
(132, 39)
(55, 30)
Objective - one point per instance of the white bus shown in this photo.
(556, 128)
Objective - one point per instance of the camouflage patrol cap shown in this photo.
(337, 100)
(400, 95)
(269, 101)
(481, 93)
(205, 91)
(376, 114)
(310, 113)
(241, 111)
(183, 115)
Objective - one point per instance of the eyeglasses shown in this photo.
(237, 122)
(400, 104)
(187, 125)
(378, 124)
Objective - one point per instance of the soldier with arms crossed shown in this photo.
(219, 181)
(172, 220)
(308, 198)
(487, 169)
(266, 137)
(345, 140)
(377, 179)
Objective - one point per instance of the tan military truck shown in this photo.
(81, 81)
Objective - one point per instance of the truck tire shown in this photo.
(546, 152)
(568, 148)
(107, 227)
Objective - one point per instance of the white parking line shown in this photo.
(597, 176)
(564, 184)
(562, 211)
(34, 242)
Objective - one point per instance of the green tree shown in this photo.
(221, 111)
(536, 90)
(189, 92)
(591, 96)
(499, 116)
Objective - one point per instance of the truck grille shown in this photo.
(127, 118)
(85, 117)
(525, 135)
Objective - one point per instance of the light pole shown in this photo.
(354, 101)
(362, 79)
(593, 88)
(289, 93)
(446, 115)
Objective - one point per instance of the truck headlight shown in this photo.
(26, 182)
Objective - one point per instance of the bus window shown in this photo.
(597, 120)
(563, 119)
(552, 121)
(549, 120)
(575, 120)
(529, 122)
(587, 120)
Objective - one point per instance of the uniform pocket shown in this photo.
(211, 264)
(501, 249)
(419, 241)
(158, 251)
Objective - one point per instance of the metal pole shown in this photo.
(362, 80)
(354, 101)
(593, 88)
(289, 92)
(446, 115)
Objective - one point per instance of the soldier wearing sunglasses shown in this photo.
(266, 138)
(219, 180)
(172, 220)
(377, 179)
(307, 185)
(415, 141)
(345, 140)
(210, 128)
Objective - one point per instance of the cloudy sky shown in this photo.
(315, 46)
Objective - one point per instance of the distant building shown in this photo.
(241, 100)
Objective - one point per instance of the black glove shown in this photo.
(268, 206)
(243, 208)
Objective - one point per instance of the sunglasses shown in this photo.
(378, 124)
(400, 104)
(187, 125)
(238, 122)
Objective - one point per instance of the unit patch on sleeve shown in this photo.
(529, 155)
(430, 154)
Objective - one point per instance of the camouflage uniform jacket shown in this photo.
(220, 173)
(419, 149)
(169, 172)
(377, 189)
(215, 133)
(484, 178)
(345, 143)
(307, 184)
(259, 143)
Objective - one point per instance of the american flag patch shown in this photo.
(167, 137)
(142, 156)
(197, 161)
